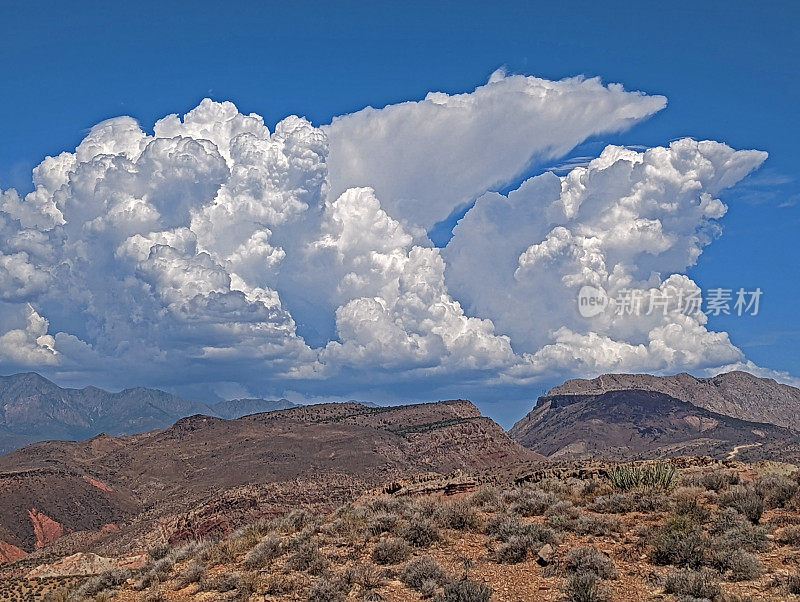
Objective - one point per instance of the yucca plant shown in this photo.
(660, 475)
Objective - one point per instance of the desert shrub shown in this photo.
(279, 584)
(702, 585)
(366, 576)
(518, 540)
(513, 551)
(420, 570)
(382, 523)
(187, 550)
(504, 528)
(583, 587)
(716, 481)
(216, 553)
(679, 542)
(100, 583)
(789, 535)
(487, 497)
(687, 504)
(386, 505)
(660, 475)
(586, 559)
(307, 558)
(244, 538)
(562, 515)
(464, 590)
(590, 524)
(459, 515)
(616, 503)
(744, 501)
(420, 532)
(194, 573)
(529, 501)
(294, 520)
(424, 506)
(738, 564)
(222, 582)
(328, 590)
(732, 530)
(159, 551)
(643, 500)
(776, 489)
(264, 551)
(792, 583)
(391, 551)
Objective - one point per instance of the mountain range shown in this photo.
(33, 408)
(167, 469)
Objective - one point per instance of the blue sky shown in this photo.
(728, 69)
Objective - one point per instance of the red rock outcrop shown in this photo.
(45, 528)
(9, 553)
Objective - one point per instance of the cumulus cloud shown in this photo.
(216, 251)
(629, 220)
(424, 159)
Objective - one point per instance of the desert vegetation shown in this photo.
(644, 531)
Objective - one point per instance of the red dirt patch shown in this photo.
(45, 528)
(9, 553)
(99, 484)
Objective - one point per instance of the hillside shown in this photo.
(703, 530)
(737, 394)
(630, 424)
(205, 475)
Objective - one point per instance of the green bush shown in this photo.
(660, 475)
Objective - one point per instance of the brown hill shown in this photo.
(205, 475)
(737, 394)
(632, 424)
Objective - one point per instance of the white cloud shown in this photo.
(217, 252)
(424, 159)
(629, 220)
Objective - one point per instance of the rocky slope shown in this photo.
(204, 475)
(737, 394)
(630, 424)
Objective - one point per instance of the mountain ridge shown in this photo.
(738, 394)
(33, 408)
